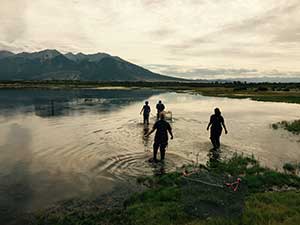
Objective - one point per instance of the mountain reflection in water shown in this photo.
(60, 144)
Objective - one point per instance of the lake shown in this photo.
(61, 144)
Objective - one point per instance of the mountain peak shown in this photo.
(51, 64)
(44, 54)
(96, 57)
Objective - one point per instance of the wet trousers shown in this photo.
(146, 119)
(215, 138)
(162, 149)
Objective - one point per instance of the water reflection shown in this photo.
(59, 144)
(146, 139)
(15, 177)
(214, 156)
(47, 103)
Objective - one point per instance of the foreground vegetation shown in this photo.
(264, 197)
(274, 92)
(293, 126)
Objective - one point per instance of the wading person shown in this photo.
(162, 128)
(216, 123)
(160, 108)
(146, 112)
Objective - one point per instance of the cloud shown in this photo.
(192, 34)
(219, 73)
(257, 36)
(12, 20)
(162, 32)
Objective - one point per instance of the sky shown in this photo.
(198, 39)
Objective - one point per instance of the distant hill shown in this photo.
(4, 54)
(53, 65)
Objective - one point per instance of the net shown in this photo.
(206, 195)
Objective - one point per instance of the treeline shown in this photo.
(236, 85)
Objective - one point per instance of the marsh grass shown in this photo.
(292, 126)
(162, 203)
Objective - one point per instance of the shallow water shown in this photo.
(56, 144)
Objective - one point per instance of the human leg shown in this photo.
(213, 142)
(155, 149)
(217, 141)
(163, 151)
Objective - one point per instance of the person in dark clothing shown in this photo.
(146, 112)
(160, 108)
(161, 138)
(216, 123)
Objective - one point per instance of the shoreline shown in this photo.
(171, 198)
(269, 92)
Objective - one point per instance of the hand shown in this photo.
(207, 128)
(171, 137)
(226, 132)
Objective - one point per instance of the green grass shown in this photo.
(252, 93)
(293, 126)
(275, 208)
(163, 202)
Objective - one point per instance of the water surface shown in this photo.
(60, 144)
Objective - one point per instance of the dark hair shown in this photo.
(217, 112)
(159, 101)
(146, 102)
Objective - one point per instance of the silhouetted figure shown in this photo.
(162, 128)
(146, 112)
(216, 122)
(160, 108)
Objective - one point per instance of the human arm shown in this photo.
(209, 124)
(142, 110)
(170, 132)
(223, 124)
(151, 131)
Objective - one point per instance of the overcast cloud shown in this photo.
(188, 38)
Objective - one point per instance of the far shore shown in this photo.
(270, 92)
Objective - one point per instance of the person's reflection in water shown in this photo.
(145, 138)
(215, 124)
(159, 169)
(162, 128)
(214, 156)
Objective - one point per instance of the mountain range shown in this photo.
(53, 65)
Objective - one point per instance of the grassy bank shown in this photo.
(257, 93)
(264, 197)
(292, 126)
